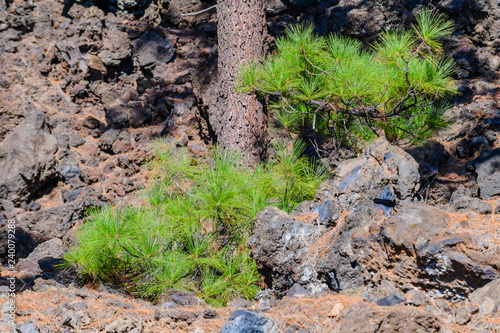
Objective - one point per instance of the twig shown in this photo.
(200, 12)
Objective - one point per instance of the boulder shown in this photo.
(487, 171)
(50, 249)
(249, 321)
(491, 290)
(279, 244)
(426, 251)
(302, 247)
(27, 159)
(385, 174)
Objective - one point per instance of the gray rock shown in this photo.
(27, 328)
(27, 159)
(279, 245)
(70, 319)
(488, 306)
(179, 298)
(69, 168)
(392, 299)
(491, 290)
(209, 313)
(461, 200)
(151, 48)
(442, 305)
(423, 249)
(487, 171)
(364, 187)
(116, 48)
(107, 139)
(329, 212)
(34, 206)
(239, 303)
(52, 248)
(385, 174)
(187, 300)
(249, 321)
(120, 325)
(297, 291)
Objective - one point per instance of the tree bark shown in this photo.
(239, 120)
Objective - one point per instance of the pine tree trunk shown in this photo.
(239, 120)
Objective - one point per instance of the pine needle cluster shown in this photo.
(191, 231)
(333, 85)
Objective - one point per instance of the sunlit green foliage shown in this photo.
(334, 85)
(192, 229)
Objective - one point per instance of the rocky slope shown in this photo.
(400, 240)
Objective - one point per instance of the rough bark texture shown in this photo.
(238, 119)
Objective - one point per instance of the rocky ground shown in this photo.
(400, 240)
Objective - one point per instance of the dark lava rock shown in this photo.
(117, 116)
(385, 174)
(279, 245)
(462, 201)
(107, 140)
(364, 187)
(52, 248)
(487, 170)
(139, 116)
(116, 48)
(69, 168)
(151, 48)
(27, 159)
(430, 156)
(424, 252)
(91, 122)
(249, 321)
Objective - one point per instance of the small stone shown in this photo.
(239, 303)
(298, 291)
(249, 321)
(27, 328)
(120, 325)
(34, 206)
(336, 310)
(91, 122)
(488, 306)
(442, 305)
(119, 304)
(392, 299)
(462, 315)
(474, 308)
(415, 297)
(209, 314)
